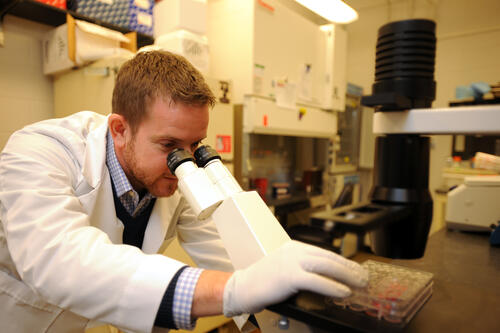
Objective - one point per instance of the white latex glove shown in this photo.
(292, 267)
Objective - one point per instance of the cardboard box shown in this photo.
(135, 15)
(172, 15)
(55, 3)
(76, 43)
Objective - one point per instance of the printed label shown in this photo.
(223, 143)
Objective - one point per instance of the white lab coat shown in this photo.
(61, 257)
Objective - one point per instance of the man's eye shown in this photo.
(195, 145)
(169, 145)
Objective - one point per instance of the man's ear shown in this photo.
(119, 129)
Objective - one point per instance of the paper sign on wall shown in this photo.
(286, 93)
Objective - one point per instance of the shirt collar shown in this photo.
(118, 177)
(124, 190)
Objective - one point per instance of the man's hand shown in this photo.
(294, 266)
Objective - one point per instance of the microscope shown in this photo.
(248, 229)
(400, 192)
(399, 212)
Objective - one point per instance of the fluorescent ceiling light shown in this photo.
(326, 27)
(336, 11)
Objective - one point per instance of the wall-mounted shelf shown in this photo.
(53, 16)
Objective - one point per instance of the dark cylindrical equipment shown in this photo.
(401, 177)
(404, 66)
(404, 79)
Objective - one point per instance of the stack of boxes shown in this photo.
(77, 43)
(135, 15)
(180, 27)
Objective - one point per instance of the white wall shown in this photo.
(25, 93)
(468, 45)
(230, 37)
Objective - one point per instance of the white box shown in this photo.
(189, 45)
(77, 42)
(172, 15)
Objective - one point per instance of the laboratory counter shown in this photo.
(465, 298)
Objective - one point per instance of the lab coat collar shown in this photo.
(95, 155)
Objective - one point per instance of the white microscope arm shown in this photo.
(481, 119)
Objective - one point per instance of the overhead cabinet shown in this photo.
(263, 44)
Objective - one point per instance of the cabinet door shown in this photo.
(285, 42)
(289, 45)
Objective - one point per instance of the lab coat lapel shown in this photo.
(155, 231)
(162, 218)
(103, 215)
(99, 202)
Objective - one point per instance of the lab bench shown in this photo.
(465, 298)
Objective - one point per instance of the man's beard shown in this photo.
(138, 177)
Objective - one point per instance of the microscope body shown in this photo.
(248, 229)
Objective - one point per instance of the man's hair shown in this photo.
(157, 74)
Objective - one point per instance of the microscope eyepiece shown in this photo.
(176, 157)
(194, 183)
(205, 154)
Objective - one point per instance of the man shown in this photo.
(87, 202)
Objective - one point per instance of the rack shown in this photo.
(53, 16)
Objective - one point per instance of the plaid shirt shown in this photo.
(184, 289)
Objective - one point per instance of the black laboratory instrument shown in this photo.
(399, 212)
